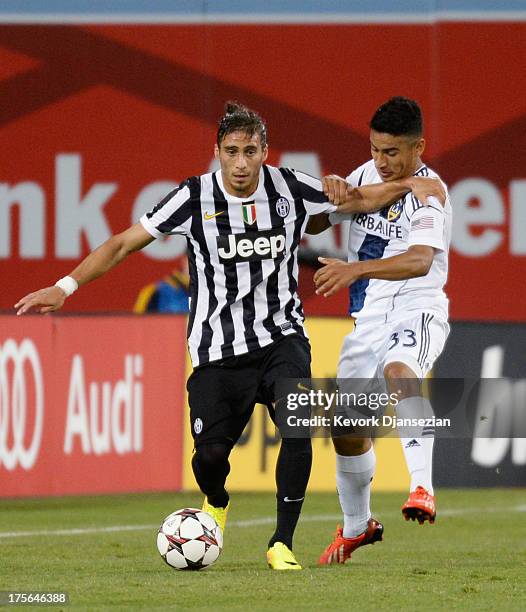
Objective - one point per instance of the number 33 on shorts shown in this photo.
(418, 342)
(395, 338)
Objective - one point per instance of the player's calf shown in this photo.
(211, 467)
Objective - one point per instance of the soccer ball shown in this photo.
(189, 539)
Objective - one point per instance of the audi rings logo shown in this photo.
(16, 363)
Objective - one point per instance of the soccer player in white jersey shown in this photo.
(396, 270)
(243, 226)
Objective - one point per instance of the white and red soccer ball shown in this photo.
(189, 539)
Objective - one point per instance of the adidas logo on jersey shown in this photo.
(412, 443)
(254, 246)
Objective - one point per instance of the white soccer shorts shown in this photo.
(416, 341)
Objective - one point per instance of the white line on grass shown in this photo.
(266, 520)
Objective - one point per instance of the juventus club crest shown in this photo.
(249, 212)
(282, 207)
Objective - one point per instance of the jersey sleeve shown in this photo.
(354, 178)
(172, 215)
(426, 225)
(311, 190)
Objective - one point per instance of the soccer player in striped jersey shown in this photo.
(243, 225)
(396, 270)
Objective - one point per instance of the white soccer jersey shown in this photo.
(243, 257)
(390, 232)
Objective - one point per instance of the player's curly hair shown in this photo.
(239, 117)
(398, 116)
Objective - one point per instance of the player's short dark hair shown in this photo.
(239, 117)
(398, 116)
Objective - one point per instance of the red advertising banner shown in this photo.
(91, 404)
(99, 122)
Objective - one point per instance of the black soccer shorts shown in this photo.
(222, 394)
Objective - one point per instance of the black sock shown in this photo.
(292, 476)
(211, 467)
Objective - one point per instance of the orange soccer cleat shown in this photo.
(420, 506)
(340, 549)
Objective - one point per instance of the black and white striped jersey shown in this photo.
(243, 257)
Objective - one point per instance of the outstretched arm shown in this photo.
(336, 274)
(370, 198)
(97, 263)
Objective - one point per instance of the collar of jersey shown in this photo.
(258, 194)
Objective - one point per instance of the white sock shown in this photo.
(417, 442)
(353, 479)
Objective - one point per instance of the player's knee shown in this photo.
(351, 446)
(211, 456)
(402, 380)
(396, 370)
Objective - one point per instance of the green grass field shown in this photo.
(474, 557)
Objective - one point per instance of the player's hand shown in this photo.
(43, 300)
(335, 275)
(335, 188)
(425, 187)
